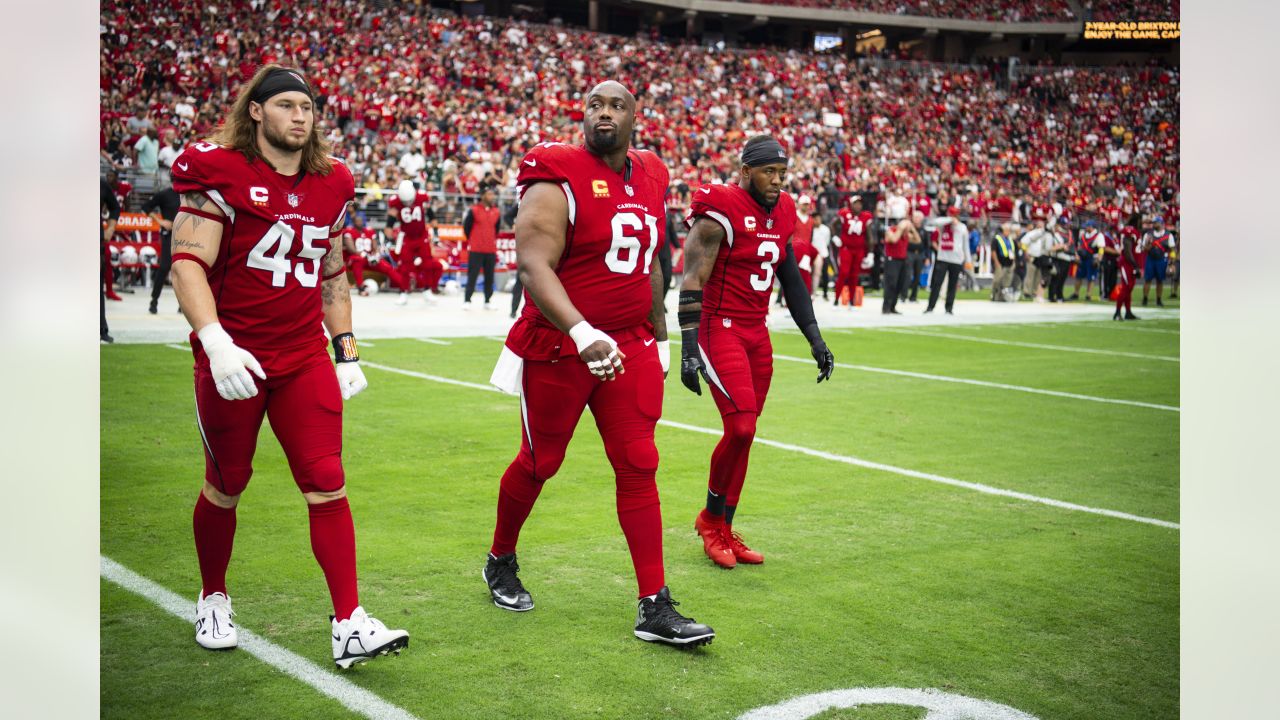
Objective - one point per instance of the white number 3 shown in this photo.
(764, 283)
(281, 236)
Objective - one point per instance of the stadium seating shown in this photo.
(1126, 10)
(990, 10)
(473, 94)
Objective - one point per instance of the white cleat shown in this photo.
(428, 298)
(214, 629)
(489, 306)
(466, 305)
(403, 299)
(362, 637)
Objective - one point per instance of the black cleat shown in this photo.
(107, 339)
(1130, 316)
(658, 621)
(152, 308)
(504, 585)
(1144, 301)
(1159, 302)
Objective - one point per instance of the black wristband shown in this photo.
(689, 341)
(690, 296)
(344, 348)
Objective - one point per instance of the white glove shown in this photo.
(664, 355)
(350, 379)
(229, 364)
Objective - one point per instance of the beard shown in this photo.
(760, 199)
(603, 142)
(283, 140)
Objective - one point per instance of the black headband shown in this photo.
(766, 152)
(278, 81)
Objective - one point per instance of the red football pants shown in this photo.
(417, 262)
(851, 257)
(357, 264)
(739, 359)
(1126, 279)
(626, 411)
(305, 408)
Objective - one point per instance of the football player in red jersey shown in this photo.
(410, 211)
(363, 251)
(739, 237)
(256, 272)
(1127, 263)
(590, 222)
(855, 224)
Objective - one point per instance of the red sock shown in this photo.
(516, 496)
(333, 540)
(215, 530)
(640, 515)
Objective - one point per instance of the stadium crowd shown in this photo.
(990, 10)
(1130, 10)
(455, 103)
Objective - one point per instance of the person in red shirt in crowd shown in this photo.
(854, 225)
(410, 211)
(481, 229)
(740, 236)
(802, 241)
(364, 251)
(587, 232)
(260, 280)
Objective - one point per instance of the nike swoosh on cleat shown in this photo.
(508, 600)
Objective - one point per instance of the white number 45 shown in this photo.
(280, 238)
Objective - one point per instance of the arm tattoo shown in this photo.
(333, 259)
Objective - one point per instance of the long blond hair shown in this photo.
(239, 131)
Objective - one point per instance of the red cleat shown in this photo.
(111, 295)
(741, 552)
(715, 541)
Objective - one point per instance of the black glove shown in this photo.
(826, 361)
(691, 364)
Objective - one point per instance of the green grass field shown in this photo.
(873, 578)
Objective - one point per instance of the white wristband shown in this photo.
(212, 335)
(664, 354)
(583, 335)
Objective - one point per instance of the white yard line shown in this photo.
(175, 346)
(351, 696)
(433, 341)
(984, 383)
(846, 459)
(1036, 346)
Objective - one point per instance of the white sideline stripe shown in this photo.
(351, 696)
(498, 338)
(433, 341)
(987, 489)
(984, 383)
(175, 346)
(366, 343)
(848, 460)
(433, 378)
(941, 705)
(1037, 346)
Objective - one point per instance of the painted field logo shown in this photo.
(941, 705)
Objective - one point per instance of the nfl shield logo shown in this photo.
(769, 224)
(293, 199)
(727, 322)
(630, 192)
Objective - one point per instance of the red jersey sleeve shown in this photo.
(195, 169)
(546, 162)
(712, 202)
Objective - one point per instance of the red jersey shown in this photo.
(617, 221)
(364, 239)
(853, 228)
(411, 217)
(266, 280)
(741, 279)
